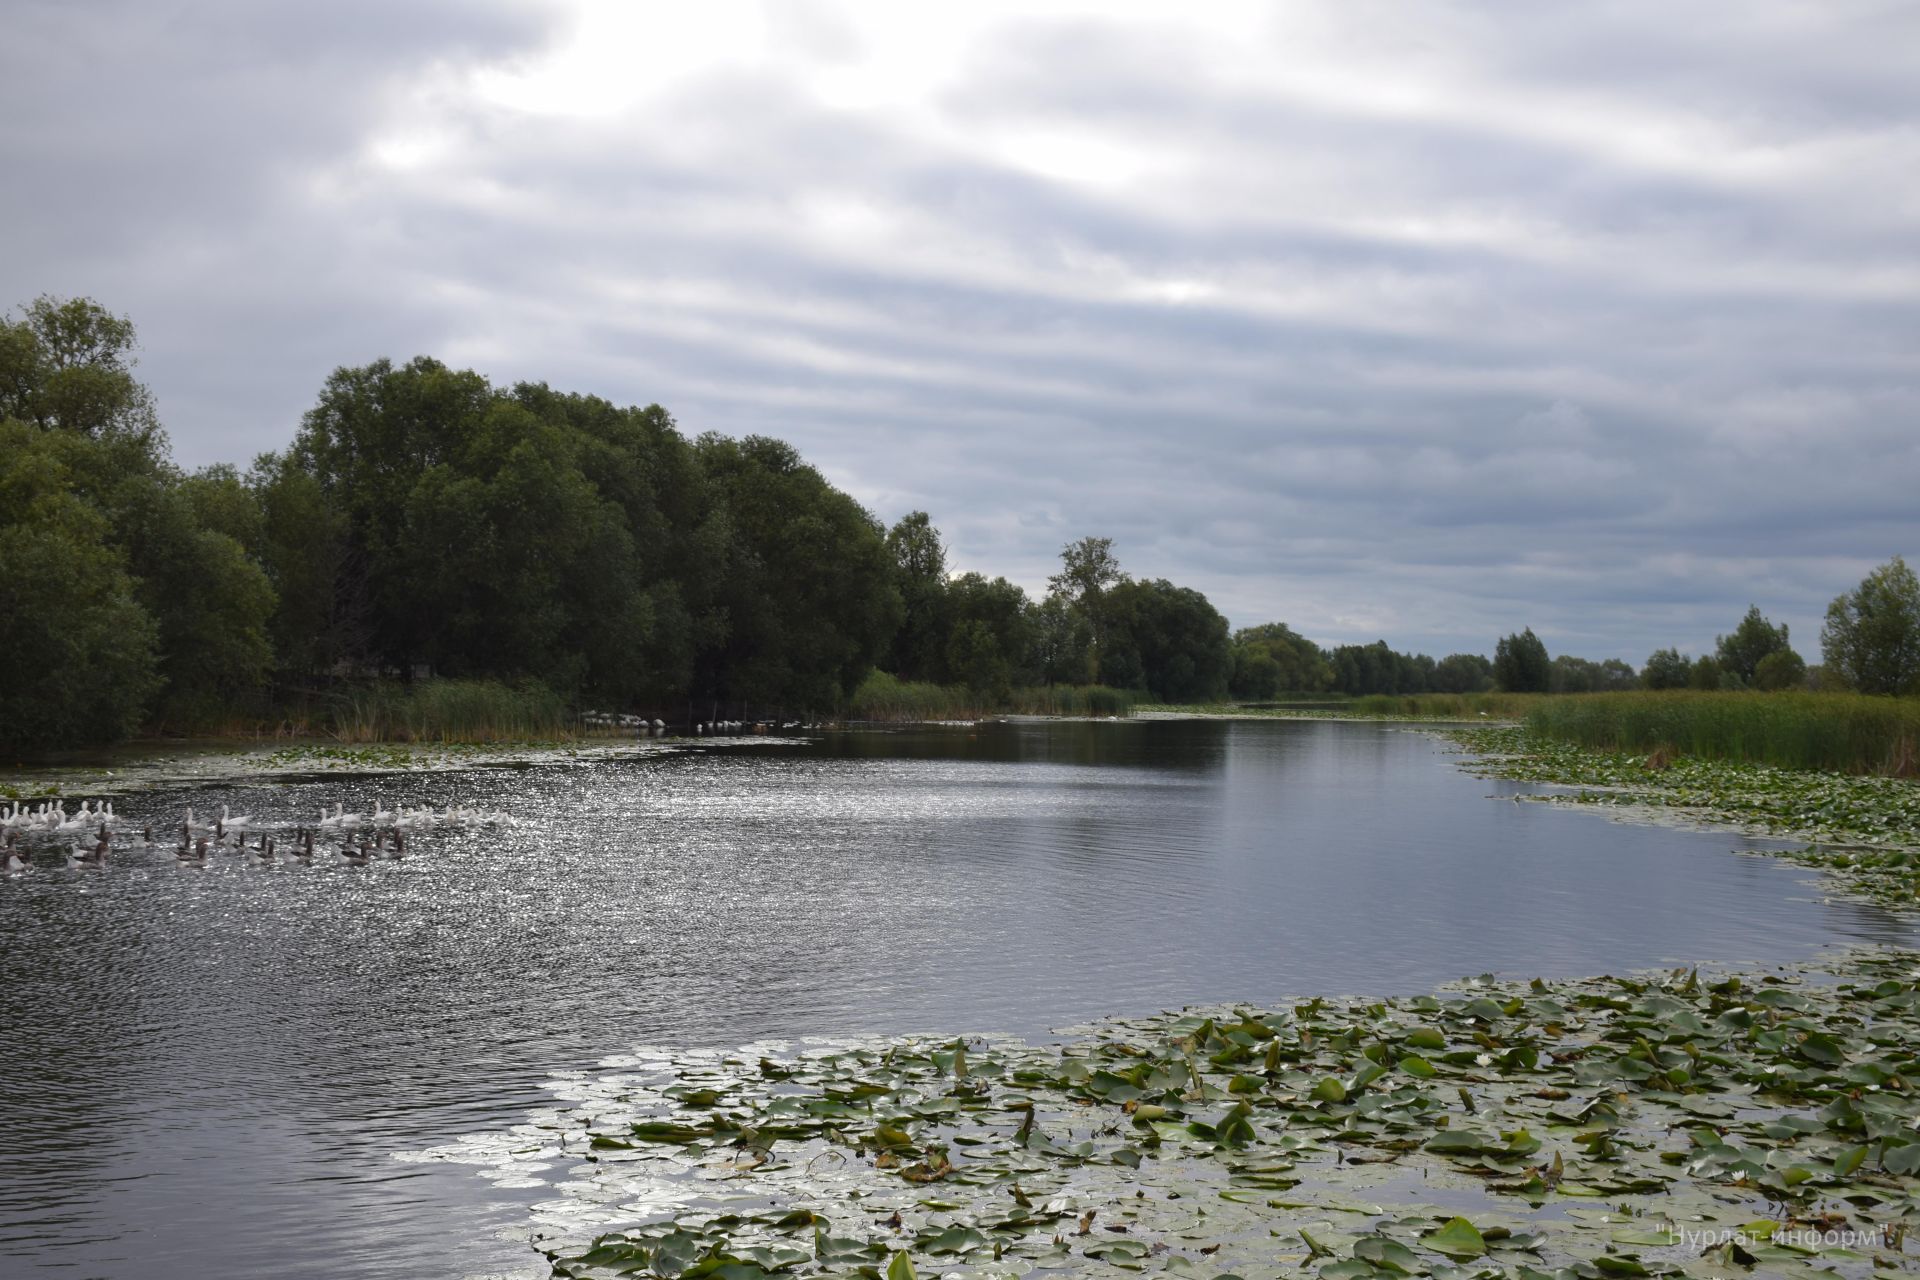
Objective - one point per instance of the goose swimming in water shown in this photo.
(94, 857)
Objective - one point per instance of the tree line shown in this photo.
(424, 521)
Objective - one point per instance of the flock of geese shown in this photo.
(94, 829)
(642, 727)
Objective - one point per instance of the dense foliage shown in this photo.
(1872, 637)
(1520, 664)
(557, 550)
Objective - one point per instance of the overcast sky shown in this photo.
(1422, 322)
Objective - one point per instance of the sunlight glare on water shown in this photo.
(211, 1070)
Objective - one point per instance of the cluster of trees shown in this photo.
(1756, 655)
(1274, 659)
(422, 519)
(1096, 625)
(1870, 643)
(425, 520)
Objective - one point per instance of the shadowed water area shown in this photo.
(209, 1071)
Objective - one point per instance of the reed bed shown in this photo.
(1444, 706)
(453, 711)
(1844, 732)
(884, 697)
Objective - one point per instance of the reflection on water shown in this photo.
(208, 1070)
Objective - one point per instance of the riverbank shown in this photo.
(1694, 1122)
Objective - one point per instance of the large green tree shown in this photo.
(1666, 669)
(919, 648)
(1751, 643)
(1167, 640)
(808, 584)
(1872, 634)
(1521, 665)
(77, 651)
(1272, 659)
(1463, 673)
(991, 639)
(67, 365)
(66, 370)
(1089, 570)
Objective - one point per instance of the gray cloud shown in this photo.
(1425, 324)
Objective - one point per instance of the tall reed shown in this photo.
(452, 711)
(1847, 732)
(885, 697)
(1443, 706)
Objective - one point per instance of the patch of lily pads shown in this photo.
(1674, 1124)
(1864, 829)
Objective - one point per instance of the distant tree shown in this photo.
(1667, 669)
(1274, 658)
(975, 659)
(322, 614)
(920, 575)
(67, 365)
(991, 638)
(1872, 635)
(1615, 676)
(810, 597)
(1167, 640)
(77, 651)
(223, 502)
(1256, 675)
(1062, 638)
(1463, 673)
(1087, 568)
(1707, 677)
(1520, 664)
(1740, 654)
(1569, 674)
(1088, 571)
(1781, 669)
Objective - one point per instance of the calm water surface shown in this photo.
(208, 1072)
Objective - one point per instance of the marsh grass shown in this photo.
(884, 697)
(1844, 732)
(1444, 706)
(1374, 706)
(452, 711)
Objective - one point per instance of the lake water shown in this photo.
(210, 1072)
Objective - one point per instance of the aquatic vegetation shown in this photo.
(313, 755)
(1847, 732)
(1445, 706)
(1376, 706)
(1674, 1124)
(1793, 803)
(453, 711)
(885, 697)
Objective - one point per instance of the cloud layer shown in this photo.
(1418, 322)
